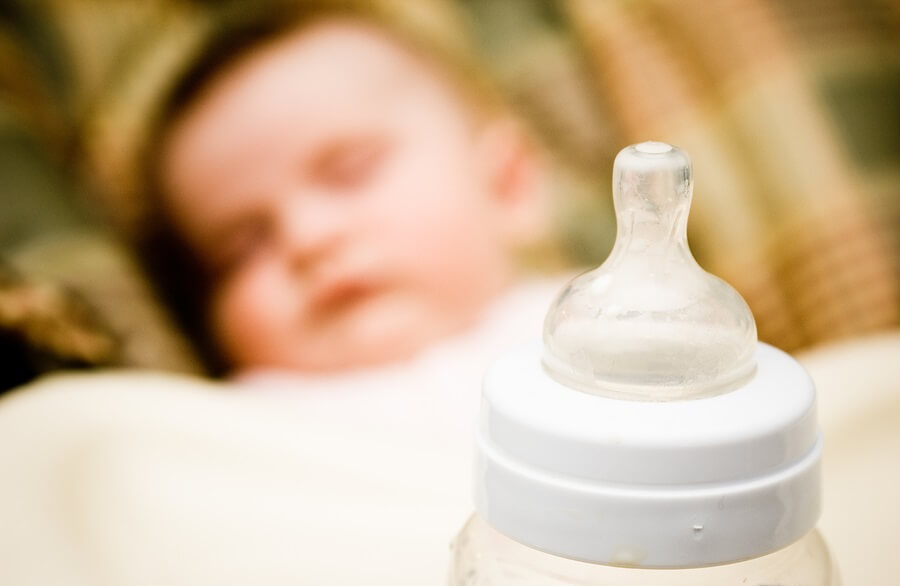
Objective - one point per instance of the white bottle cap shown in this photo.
(651, 429)
(649, 484)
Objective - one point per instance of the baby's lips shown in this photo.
(332, 293)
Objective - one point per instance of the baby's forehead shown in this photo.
(335, 76)
(332, 63)
(271, 111)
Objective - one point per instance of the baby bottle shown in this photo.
(651, 439)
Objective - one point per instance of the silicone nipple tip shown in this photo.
(653, 148)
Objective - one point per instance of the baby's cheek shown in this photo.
(458, 262)
(250, 314)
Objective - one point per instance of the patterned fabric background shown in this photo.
(790, 111)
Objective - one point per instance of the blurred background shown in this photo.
(790, 111)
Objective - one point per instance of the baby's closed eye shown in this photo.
(241, 240)
(348, 164)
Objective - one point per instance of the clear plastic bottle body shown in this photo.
(483, 556)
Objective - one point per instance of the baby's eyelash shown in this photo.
(348, 164)
(239, 242)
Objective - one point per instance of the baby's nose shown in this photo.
(310, 230)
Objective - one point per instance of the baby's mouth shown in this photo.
(333, 295)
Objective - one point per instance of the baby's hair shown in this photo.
(181, 279)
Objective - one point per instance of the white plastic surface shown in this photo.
(650, 484)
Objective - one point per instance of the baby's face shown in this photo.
(346, 201)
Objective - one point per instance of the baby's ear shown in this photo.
(515, 172)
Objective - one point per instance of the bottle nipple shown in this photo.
(649, 323)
